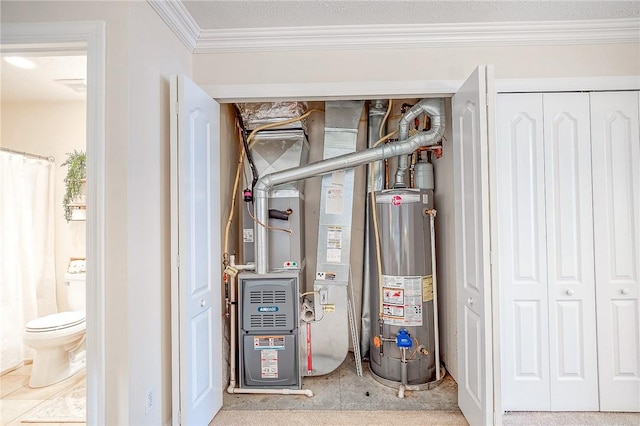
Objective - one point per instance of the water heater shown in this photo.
(404, 333)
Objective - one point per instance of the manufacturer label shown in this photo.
(330, 276)
(268, 342)
(269, 364)
(247, 235)
(396, 200)
(268, 309)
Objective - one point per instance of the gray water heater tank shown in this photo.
(407, 286)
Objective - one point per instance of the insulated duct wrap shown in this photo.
(258, 113)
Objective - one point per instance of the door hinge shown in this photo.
(177, 108)
(178, 261)
(179, 417)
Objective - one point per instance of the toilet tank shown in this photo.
(75, 291)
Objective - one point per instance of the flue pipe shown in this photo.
(434, 108)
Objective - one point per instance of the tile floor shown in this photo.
(344, 390)
(17, 399)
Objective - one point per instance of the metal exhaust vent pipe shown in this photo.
(433, 107)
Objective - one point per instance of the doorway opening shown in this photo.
(44, 144)
(87, 38)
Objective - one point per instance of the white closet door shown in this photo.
(616, 181)
(570, 273)
(196, 309)
(472, 108)
(522, 253)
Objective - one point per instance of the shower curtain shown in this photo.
(27, 268)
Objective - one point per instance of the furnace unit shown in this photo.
(268, 330)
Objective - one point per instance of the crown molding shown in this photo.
(178, 18)
(419, 35)
(336, 37)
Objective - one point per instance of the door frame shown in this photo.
(88, 37)
(226, 93)
(385, 89)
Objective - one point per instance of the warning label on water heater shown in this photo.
(402, 300)
(427, 288)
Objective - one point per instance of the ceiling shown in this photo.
(233, 14)
(40, 83)
(54, 79)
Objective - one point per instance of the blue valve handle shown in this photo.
(403, 339)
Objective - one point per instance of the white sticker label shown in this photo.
(402, 300)
(268, 342)
(334, 255)
(334, 237)
(269, 364)
(337, 178)
(425, 198)
(335, 197)
(247, 235)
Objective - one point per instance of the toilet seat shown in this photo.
(54, 322)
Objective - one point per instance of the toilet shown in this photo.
(59, 339)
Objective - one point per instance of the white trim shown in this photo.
(224, 93)
(241, 40)
(178, 18)
(91, 37)
(580, 84)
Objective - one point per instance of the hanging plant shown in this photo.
(76, 176)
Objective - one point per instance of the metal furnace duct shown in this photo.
(273, 151)
(330, 336)
(343, 162)
(407, 284)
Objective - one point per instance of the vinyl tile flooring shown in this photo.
(17, 399)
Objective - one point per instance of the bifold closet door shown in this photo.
(573, 362)
(616, 185)
(522, 251)
(547, 289)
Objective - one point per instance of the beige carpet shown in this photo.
(570, 418)
(337, 417)
(67, 407)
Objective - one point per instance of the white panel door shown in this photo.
(616, 184)
(571, 282)
(522, 252)
(473, 276)
(196, 274)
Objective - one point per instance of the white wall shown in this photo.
(141, 53)
(51, 129)
(317, 66)
(155, 53)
